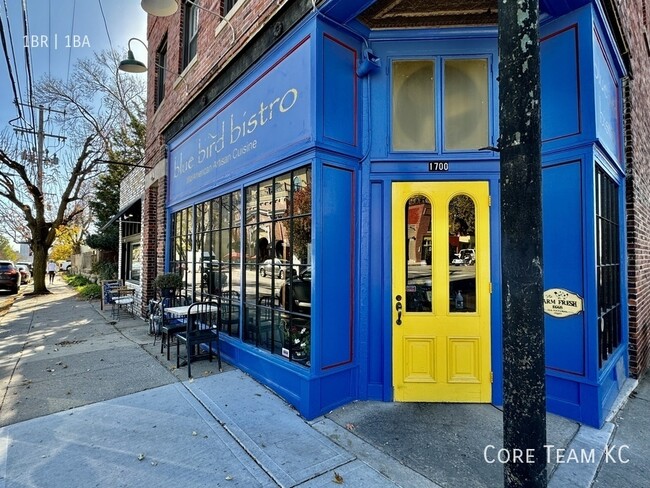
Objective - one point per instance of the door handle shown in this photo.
(398, 307)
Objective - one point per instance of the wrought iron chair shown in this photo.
(230, 309)
(295, 296)
(267, 318)
(170, 325)
(122, 297)
(203, 322)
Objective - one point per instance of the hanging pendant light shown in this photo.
(159, 8)
(132, 65)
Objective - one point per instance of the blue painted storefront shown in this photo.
(303, 104)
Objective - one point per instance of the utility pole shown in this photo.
(524, 386)
(39, 158)
(40, 140)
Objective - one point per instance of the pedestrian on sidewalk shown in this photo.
(51, 270)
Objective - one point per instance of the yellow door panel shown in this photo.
(441, 292)
(419, 364)
(463, 360)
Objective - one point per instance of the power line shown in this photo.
(11, 74)
(28, 66)
(74, 9)
(110, 43)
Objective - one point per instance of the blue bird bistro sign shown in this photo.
(270, 113)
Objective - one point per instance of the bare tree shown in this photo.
(95, 103)
(39, 216)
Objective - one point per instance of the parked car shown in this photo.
(457, 260)
(30, 266)
(65, 266)
(9, 276)
(277, 265)
(25, 273)
(464, 257)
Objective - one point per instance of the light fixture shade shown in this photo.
(132, 65)
(159, 8)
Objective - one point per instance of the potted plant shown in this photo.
(297, 339)
(168, 283)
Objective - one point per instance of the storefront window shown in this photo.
(278, 266)
(134, 262)
(181, 246)
(207, 251)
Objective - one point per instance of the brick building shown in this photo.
(289, 140)
(633, 17)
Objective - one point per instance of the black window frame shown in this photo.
(608, 265)
(228, 5)
(190, 37)
(161, 68)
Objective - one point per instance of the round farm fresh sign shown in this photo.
(561, 303)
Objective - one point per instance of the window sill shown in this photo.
(181, 77)
(233, 11)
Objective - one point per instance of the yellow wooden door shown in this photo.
(441, 292)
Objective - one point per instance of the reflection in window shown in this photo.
(181, 243)
(413, 120)
(465, 104)
(462, 254)
(217, 257)
(278, 265)
(210, 264)
(134, 262)
(418, 254)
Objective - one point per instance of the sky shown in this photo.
(60, 32)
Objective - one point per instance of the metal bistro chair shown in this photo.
(155, 311)
(122, 297)
(203, 322)
(170, 325)
(268, 317)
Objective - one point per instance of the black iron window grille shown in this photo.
(608, 266)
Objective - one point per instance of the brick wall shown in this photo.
(131, 186)
(634, 19)
(214, 51)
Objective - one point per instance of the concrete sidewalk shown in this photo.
(86, 401)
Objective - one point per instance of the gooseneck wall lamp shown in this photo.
(165, 8)
(130, 64)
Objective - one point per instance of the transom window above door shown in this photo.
(442, 102)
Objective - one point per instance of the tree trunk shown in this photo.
(39, 265)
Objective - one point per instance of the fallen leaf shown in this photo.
(350, 427)
(338, 479)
